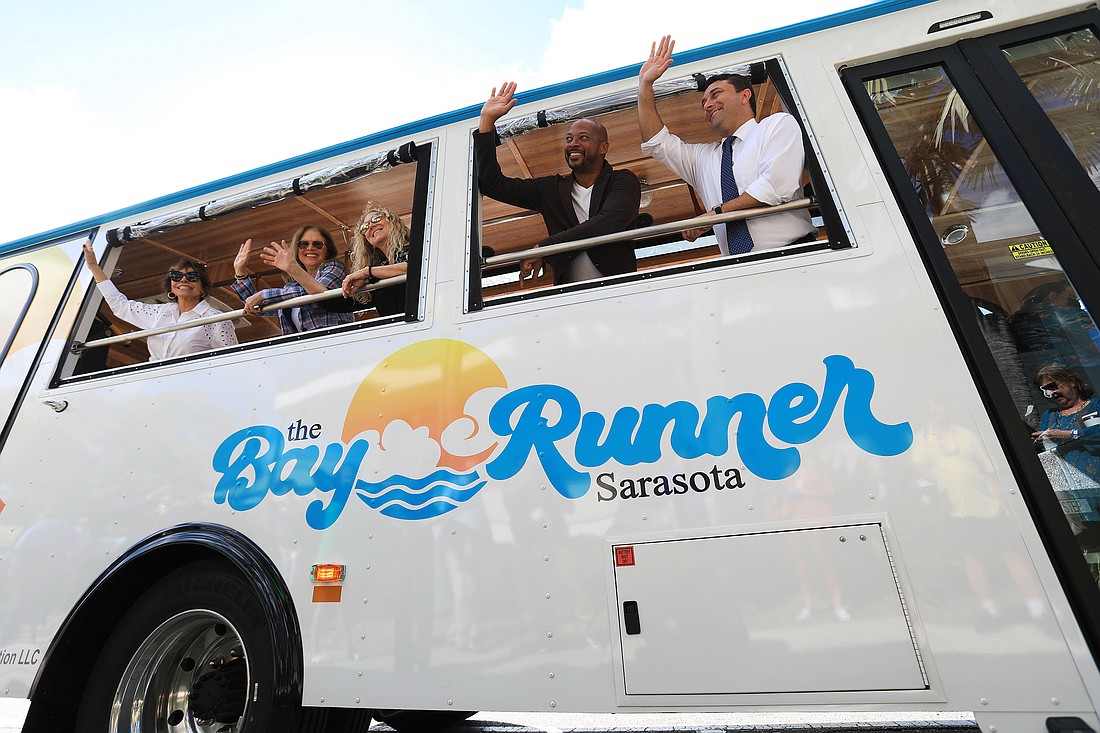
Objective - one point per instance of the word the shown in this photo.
(700, 481)
(298, 431)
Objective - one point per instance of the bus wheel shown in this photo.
(193, 654)
(421, 721)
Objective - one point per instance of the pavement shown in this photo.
(12, 713)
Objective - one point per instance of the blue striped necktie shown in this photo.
(737, 232)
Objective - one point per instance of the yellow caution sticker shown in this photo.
(1024, 250)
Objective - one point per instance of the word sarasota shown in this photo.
(679, 483)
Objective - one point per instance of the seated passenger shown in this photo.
(754, 165)
(594, 200)
(310, 264)
(187, 286)
(379, 249)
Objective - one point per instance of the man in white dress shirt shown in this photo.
(766, 158)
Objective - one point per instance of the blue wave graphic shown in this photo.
(401, 497)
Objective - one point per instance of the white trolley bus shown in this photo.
(795, 479)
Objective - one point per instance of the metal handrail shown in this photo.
(239, 313)
(631, 234)
(651, 231)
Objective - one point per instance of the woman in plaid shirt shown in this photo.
(311, 267)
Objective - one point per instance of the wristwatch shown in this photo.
(1073, 434)
(718, 209)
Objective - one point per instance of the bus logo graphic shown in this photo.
(434, 423)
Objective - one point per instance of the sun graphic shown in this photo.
(425, 384)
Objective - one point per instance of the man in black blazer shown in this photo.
(594, 199)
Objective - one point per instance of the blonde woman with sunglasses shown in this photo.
(311, 266)
(379, 250)
(186, 285)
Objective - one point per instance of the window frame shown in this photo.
(415, 292)
(773, 68)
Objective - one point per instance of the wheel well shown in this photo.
(54, 696)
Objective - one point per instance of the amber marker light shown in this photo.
(327, 573)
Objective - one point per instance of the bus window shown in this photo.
(533, 149)
(1044, 341)
(212, 236)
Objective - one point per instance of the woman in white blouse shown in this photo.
(187, 285)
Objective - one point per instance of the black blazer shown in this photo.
(615, 200)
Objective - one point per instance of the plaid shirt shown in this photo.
(331, 276)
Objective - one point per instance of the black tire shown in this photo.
(195, 655)
(421, 721)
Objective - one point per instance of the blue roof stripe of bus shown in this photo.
(398, 134)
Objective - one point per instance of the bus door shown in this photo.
(992, 147)
(32, 283)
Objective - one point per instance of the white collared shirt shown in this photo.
(155, 315)
(768, 161)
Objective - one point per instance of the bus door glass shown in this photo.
(31, 285)
(1061, 72)
(992, 147)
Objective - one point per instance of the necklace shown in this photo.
(1073, 410)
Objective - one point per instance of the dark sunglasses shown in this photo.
(175, 276)
(1049, 386)
(311, 245)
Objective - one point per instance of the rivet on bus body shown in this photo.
(551, 675)
(723, 370)
(545, 525)
(367, 567)
(359, 673)
(370, 537)
(295, 542)
(450, 702)
(751, 507)
(992, 729)
(870, 496)
(549, 634)
(364, 600)
(553, 704)
(322, 699)
(362, 637)
(356, 701)
(863, 538)
(1055, 701)
(547, 596)
(452, 531)
(1012, 491)
(546, 558)
(644, 517)
(983, 701)
(843, 538)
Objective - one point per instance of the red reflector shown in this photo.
(624, 556)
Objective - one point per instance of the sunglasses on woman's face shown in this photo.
(372, 220)
(310, 245)
(175, 276)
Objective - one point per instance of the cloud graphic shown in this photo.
(469, 435)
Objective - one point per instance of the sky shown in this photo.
(105, 105)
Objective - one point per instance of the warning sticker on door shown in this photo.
(1024, 250)
(624, 556)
